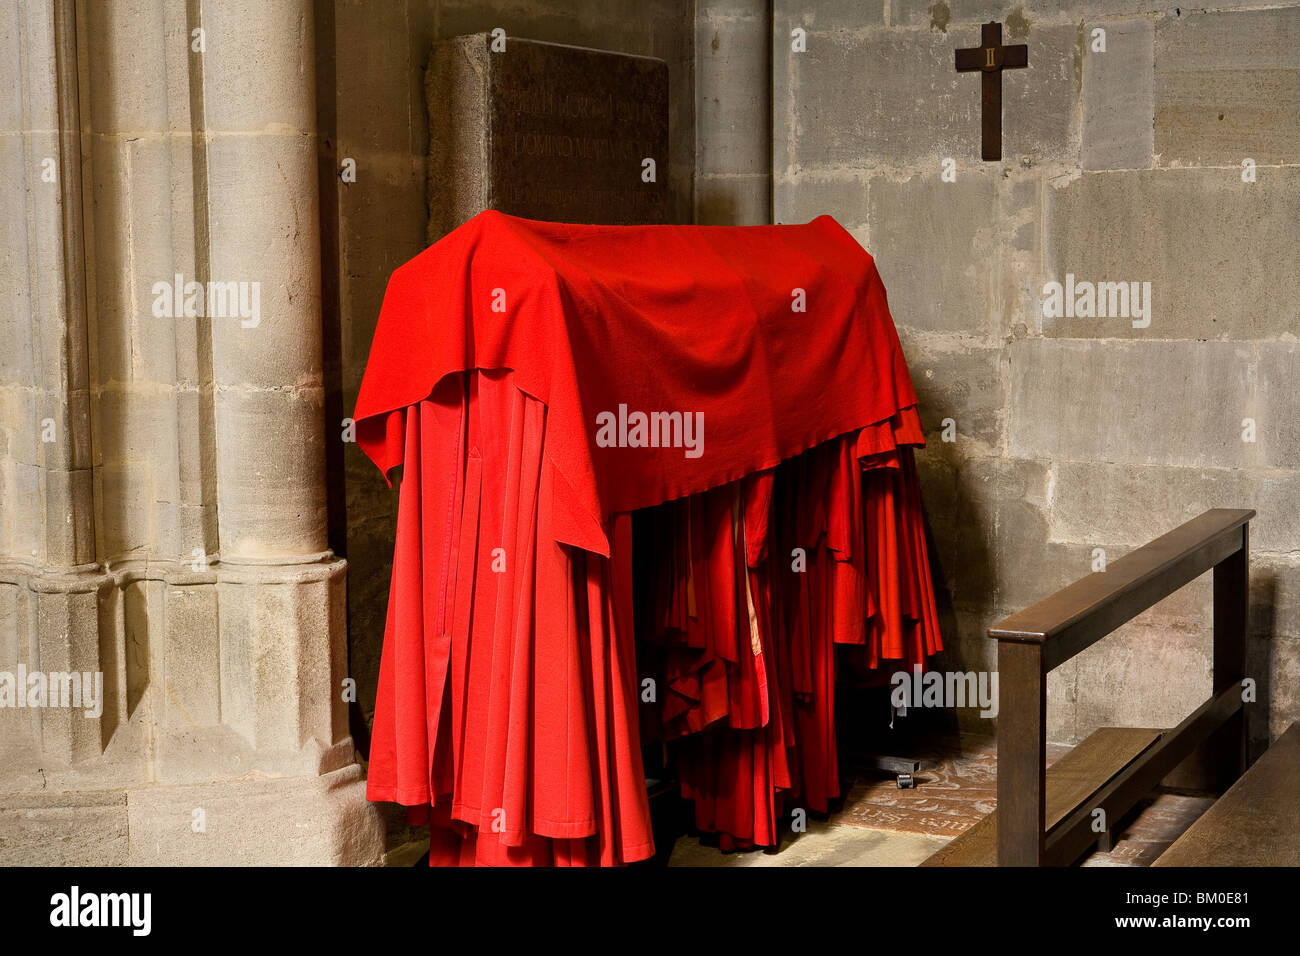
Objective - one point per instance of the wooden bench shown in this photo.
(1049, 816)
(1256, 823)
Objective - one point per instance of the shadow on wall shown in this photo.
(717, 208)
(1261, 632)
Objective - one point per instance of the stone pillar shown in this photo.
(259, 103)
(196, 577)
(49, 580)
(733, 122)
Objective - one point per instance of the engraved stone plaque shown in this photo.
(545, 131)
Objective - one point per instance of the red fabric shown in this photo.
(833, 594)
(508, 705)
(507, 688)
(695, 319)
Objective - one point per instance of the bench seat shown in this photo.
(1256, 822)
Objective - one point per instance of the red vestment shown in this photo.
(508, 699)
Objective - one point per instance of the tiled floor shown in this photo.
(824, 844)
(1158, 821)
(881, 825)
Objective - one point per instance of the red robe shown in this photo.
(508, 697)
(859, 595)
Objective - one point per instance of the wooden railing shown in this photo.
(1046, 635)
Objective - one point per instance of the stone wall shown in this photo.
(1076, 434)
(733, 128)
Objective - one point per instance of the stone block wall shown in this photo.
(1072, 434)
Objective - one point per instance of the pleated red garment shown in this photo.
(508, 706)
(834, 570)
(512, 655)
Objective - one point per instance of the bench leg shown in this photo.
(1226, 748)
(1106, 840)
(1022, 754)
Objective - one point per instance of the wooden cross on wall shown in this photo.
(991, 58)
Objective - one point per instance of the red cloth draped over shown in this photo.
(509, 710)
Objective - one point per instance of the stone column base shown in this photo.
(253, 821)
